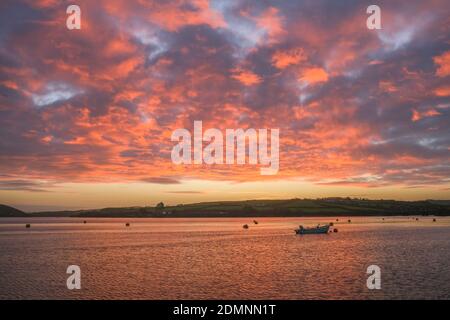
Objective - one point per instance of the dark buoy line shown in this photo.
(127, 224)
(28, 225)
(349, 221)
(434, 220)
(84, 221)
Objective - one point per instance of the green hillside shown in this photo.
(271, 208)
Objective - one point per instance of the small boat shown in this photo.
(314, 230)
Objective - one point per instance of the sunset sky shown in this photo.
(86, 115)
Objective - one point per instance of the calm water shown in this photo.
(216, 259)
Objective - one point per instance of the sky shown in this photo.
(86, 116)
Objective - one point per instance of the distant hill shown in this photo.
(271, 208)
(441, 202)
(7, 211)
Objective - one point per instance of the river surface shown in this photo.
(215, 258)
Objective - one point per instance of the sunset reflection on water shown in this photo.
(215, 258)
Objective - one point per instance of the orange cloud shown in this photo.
(443, 62)
(10, 84)
(417, 115)
(283, 59)
(172, 16)
(271, 21)
(119, 46)
(387, 86)
(442, 91)
(314, 75)
(247, 78)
